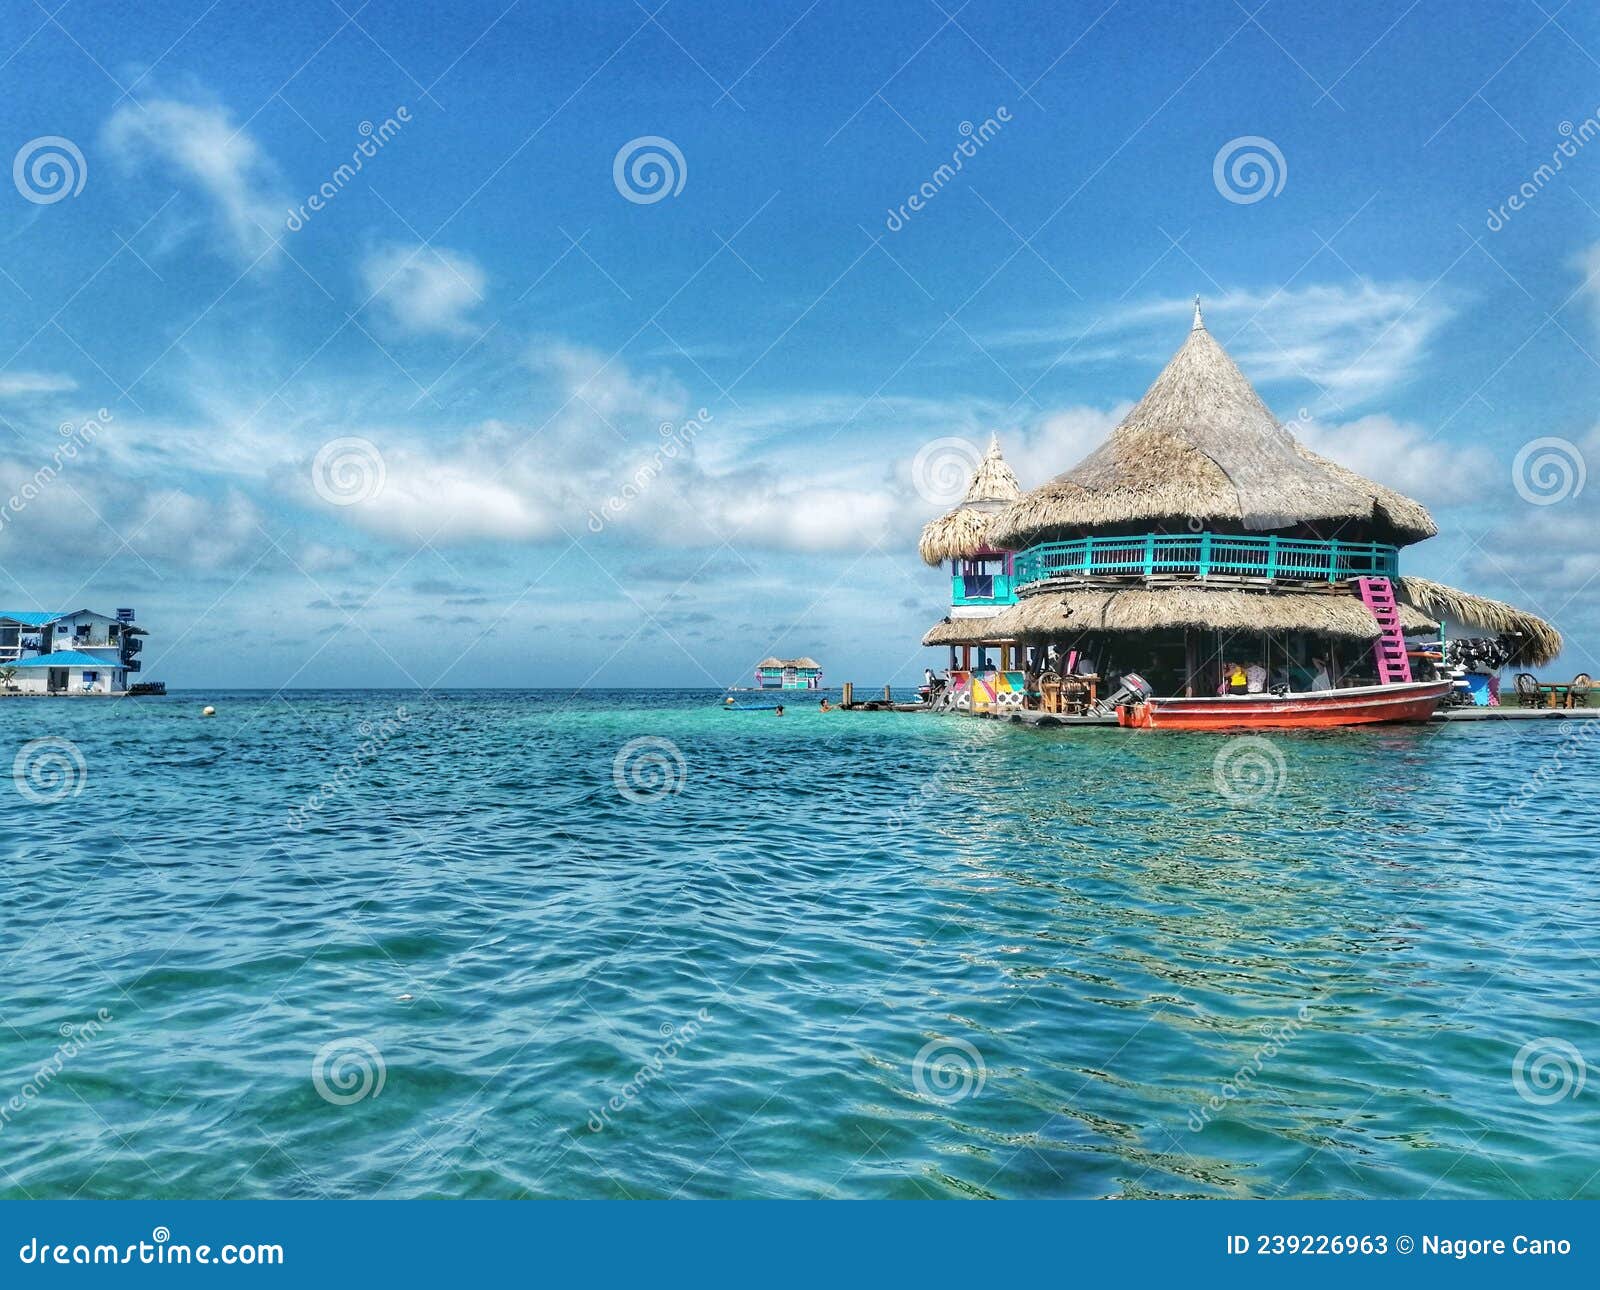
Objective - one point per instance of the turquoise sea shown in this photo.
(374, 944)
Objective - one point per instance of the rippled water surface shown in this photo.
(874, 955)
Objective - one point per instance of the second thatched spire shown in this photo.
(963, 530)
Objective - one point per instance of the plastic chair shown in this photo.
(1527, 690)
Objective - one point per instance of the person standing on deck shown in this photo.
(1319, 675)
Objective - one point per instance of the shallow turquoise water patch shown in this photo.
(347, 950)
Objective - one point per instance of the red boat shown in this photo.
(1359, 706)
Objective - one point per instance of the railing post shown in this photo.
(1205, 554)
(1272, 556)
(1088, 556)
(1149, 554)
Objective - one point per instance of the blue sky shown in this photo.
(491, 334)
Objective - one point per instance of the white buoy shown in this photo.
(208, 711)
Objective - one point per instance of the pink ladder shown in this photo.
(1378, 596)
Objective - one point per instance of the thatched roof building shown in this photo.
(1202, 448)
(964, 530)
(1155, 529)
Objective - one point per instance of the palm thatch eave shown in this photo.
(1538, 641)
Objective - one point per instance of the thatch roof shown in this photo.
(1066, 613)
(789, 662)
(1540, 642)
(1201, 445)
(962, 531)
(964, 631)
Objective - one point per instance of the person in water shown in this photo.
(779, 709)
(825, 706)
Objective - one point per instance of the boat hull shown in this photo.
(1362, 706)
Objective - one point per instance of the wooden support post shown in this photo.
(888, 694)
(847, 695)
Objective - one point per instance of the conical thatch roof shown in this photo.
(1054, 615)
(1539, 643)
(1201, 445)
(962, 531)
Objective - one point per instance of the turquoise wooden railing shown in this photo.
(1203, 554)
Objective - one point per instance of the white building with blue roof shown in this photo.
(79, 652)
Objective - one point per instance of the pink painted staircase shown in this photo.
(1378, 596)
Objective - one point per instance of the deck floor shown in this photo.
(1049, 720)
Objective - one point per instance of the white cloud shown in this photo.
(423, 288)
(203, 145)
(1343, 345)
(22, 384)
(1406, 457)
(1587, 263)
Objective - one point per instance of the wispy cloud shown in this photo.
(1341, 345)
(202, 145)
(422, 288)
(24, 384)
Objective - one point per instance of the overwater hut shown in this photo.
(980, 572)
(1202, 532)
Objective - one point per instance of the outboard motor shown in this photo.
(1134, 689)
